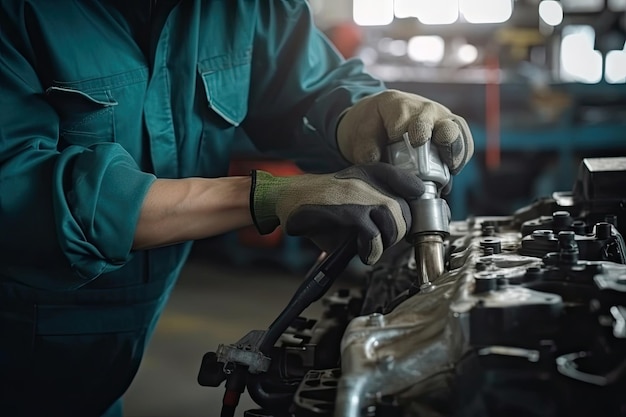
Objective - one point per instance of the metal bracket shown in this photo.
(245, 352)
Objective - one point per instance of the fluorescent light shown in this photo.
(579, 61)
(586, 35)
(395, 47)
(583, 6)
(398, 47)
(486, 11)
(615, 70)
(445, 12)
(617, 5)
(405, 8)
(551, 12)
(467, 54)
(372, 12)
(426, 49)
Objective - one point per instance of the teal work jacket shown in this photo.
(97, 100)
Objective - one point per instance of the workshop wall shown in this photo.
(541, 83)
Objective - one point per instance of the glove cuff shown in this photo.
(264, 192)
(341, 140)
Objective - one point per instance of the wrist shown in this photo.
(265, 191)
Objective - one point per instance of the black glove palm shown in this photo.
(366, 201)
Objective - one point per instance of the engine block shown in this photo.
(529, 319)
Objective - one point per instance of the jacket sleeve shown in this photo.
(65, 217)
(300, 87)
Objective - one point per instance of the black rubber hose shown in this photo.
(316, 283)
(267, 400)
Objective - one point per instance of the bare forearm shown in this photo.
(177, 210)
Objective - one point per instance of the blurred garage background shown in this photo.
(542, 85)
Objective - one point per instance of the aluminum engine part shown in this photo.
(427, 334)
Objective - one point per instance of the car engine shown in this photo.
(528, 319)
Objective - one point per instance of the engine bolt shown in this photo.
(561, 220)
(543, 234)
(489, 230)
(376, 320)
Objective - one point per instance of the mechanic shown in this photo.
(116, 122)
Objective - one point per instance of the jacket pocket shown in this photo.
(226, 81)
(86, 117)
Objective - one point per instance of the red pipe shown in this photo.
(492, 112)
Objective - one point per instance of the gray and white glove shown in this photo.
(367, 201)
(375, 121)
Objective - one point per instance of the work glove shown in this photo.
(366, 202)
(375, 121)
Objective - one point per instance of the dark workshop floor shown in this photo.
(213, 303)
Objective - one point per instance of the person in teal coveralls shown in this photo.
(116, 122)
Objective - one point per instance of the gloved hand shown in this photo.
(365, 201)
(374, 121)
